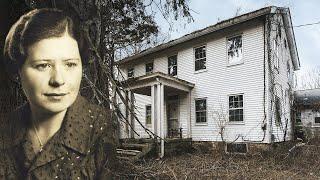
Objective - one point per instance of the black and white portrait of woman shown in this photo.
(57, 134)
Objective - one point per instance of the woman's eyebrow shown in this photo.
(71, 59)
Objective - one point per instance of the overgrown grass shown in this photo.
(277, 163)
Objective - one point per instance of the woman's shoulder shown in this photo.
(96, 118)
(12, 127)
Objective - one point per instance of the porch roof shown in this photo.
(143, 83)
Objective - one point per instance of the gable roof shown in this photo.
(225, 24)
(307, 97)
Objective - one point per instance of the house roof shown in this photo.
(225, 24)
(307, 97)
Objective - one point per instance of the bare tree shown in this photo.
(308, 79)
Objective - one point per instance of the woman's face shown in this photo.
(51, 74)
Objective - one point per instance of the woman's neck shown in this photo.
(47, 124)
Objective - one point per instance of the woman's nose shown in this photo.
(56, 78)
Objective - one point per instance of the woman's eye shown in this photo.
(43, 67)
(71, 64)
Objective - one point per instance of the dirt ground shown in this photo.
(282, 161)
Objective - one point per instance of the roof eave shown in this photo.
(205, 31)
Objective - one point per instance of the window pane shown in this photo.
(234, 46)
(200, 58)
(317, 120)
(149, 67)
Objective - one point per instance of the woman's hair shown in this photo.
(34, 26)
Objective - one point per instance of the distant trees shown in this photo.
(308, 79)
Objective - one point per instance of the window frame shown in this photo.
(277, 111)
(149, 72)
(128, 70)
(243, 110)
(227, 50)
(147, 115)
(176, 64)
(199, 59)
(206, 111)
(316, 123)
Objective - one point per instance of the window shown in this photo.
(236, 148)
(201, 110)
(172, 65)
(278, 111)
(130, 72)
(200, 58)
(317, 120)
(234, 46)
(148, 114)
(149, 68)
(298, 117)
(236, 108)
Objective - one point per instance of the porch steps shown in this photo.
(133, 151)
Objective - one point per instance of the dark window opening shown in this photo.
(172, 65)
(130, 72)
(148, 114)
(236, 108)
(317, 120)
(201, 110)
(149, 68)
(236, 148)
(200, 58)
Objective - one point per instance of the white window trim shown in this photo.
(148, 125)
(195, 112)
(243, 108)
(194, 59)
(226, 45)
(128, 73)
(145, 67)
(176, 64)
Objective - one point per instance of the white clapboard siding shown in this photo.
(281, 85)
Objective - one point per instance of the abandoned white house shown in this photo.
(307, 106)
(228, 82)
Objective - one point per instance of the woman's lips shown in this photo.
(55, 96)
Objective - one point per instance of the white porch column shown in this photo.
(131, 114)
(189, 115)
(160, 115)
(154, 120)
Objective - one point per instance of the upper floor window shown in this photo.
(149, 68)
(200, 58)
(298, 117)
(234, 46)
(201, 110)
(172, 65)
(236, 108)
(148, 114)
(130, 72)
(317, 120)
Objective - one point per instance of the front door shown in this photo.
(173, 116)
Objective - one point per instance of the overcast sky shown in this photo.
(209, 12)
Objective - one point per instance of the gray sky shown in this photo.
(209, 12)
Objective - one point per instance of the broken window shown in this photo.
(236, 148)
(201, 110)
(149, 68)
(317, 120)
(234, 45)
(172, 65)
(130, 72)
(236, 108)
(278, 111)
(298, 117)
(200, 58)
(148, 114)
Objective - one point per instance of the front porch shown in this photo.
(169, 113)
